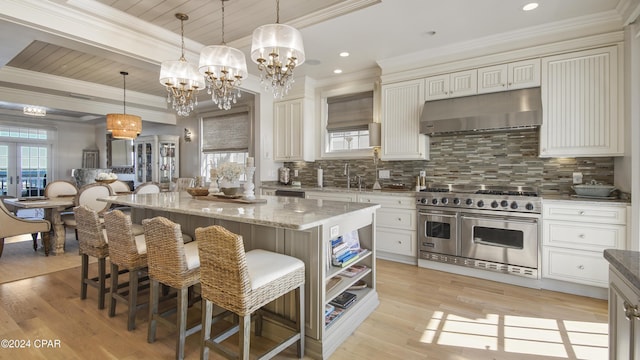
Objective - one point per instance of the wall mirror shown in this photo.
(119, 152)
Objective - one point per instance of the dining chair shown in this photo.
(126, 252)
(172, 263)
(119, 186)
(243, 282)
(147, 188)
(88, 195)
(60, 188)
(92, 241)
(12, 225)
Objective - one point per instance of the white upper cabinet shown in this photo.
(581, 98)
(290, 141)
(461, 83)
(516, 75)
(401, 107)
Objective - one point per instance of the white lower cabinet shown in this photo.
(575, 234)
(624, 322)
(336, 196)
(396, 226)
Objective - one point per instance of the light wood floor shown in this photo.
(423, 314)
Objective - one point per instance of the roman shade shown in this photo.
(351, 112)
(226, 133)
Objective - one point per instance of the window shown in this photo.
(348, 117)
(226, 138)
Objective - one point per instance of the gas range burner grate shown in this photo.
(441, 190)
(506, 192)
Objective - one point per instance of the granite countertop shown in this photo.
(627, 263)
(339, 189)
(277, 211)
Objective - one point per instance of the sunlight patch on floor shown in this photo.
(520, 335)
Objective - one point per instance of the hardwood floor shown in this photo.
(423, 314)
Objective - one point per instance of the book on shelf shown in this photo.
(332, 316)
(343, 300)
(348, 259)
(354, 270)
(352, 240)
(328, 309)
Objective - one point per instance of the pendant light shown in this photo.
(277, 49)
(124, 126)
(181, 79)
(223, 67)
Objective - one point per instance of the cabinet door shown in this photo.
(463, 83)
(437, 87)
(582, 114)
(624, 327)
(523, 74)
(402, 105)
(492, 79)
(288, 129)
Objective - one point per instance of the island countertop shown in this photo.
(627, 262)
(277, 211)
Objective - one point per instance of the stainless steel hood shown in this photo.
(499, 111)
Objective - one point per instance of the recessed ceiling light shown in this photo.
(337, 71)
(344, 54)
(530, 6)
(430, 33)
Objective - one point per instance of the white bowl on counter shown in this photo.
(593, 189)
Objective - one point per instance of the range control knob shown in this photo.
(434, 201)
(444, 200)
(423, 200)
(529, 206)
(480, 203)
(494, 204)
(514, 205)
(504, 203)
(456, 201)
(469, 202)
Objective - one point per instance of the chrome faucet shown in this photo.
(347, 171)
(359, 177)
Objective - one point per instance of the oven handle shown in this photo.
(482, 242)
(505, 218)
(435, 213)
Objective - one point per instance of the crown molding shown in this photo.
(522, 40)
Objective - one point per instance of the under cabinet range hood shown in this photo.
(498, 111)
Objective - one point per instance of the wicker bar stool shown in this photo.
(92, 242)
(126, 252)
(174, 264)
(243, 283)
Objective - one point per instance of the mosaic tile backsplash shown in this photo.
(504, 158)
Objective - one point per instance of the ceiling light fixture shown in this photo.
(530, 6)
(277, 49)
(344, 54)
(337, 71)
(181, 79)
(124, 126)
(34, 110)
(223, 68)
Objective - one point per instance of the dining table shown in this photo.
(53, 208)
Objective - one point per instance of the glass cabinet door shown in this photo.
(140, 166)
(148, 162)
(167, 163)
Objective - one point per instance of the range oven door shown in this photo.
(501, 239)
(437, 231)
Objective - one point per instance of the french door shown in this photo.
(24, 168)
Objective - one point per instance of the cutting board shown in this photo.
(231, 200)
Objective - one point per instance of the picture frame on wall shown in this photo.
(90, 159)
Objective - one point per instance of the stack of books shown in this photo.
(343, 252)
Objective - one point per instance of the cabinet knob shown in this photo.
(580, 212)
(581, 267)
(399, 242)
(581, 236)
(631, 311)
(399, 219)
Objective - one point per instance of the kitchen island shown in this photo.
(302, 228)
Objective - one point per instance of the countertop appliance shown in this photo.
(488, 227)
(284, 175)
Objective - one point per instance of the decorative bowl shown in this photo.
(198, 191)
(106, 181)
(593, 189)
(230, 191)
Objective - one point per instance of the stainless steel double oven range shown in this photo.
(488, 227)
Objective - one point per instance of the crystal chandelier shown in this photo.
(223, 68)
(124, 126)
(181, 79)
(277, 49)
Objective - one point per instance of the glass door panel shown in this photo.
(23, 169)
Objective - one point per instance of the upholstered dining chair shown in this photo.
(126, 252)
(60, 188)
(183, 183)
(243, 283)
(147, 188)
(119, 187)
(88, 195)
(172, 263)
(92, 241)
(11, 225)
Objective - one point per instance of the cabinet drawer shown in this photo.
(578, 266)
(574, 211)
(401, 202)
(396, 218)
(401, 242)
(595, 237)
(336, 196)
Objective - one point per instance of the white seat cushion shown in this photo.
(137, 229)
(104, 234)
(186, 238)
(191, 253)
(141, 245)
(267, 266)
